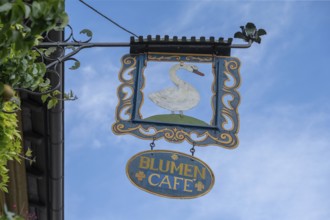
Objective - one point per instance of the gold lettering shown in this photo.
(144, 162)
(152, 164)
(187, 185)
(198, 171)
(166, 181)
(161, 169)
(176, 168)
(188, 170)
(176, 181)
(150, 179)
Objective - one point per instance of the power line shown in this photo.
(109, 19)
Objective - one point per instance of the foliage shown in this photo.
(22, 23)
(10, 142)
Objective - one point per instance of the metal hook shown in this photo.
(192, 150)
(152, 144)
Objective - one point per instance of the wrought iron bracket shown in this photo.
(76, 48)
(192, 45)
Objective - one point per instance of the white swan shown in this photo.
(180, 98)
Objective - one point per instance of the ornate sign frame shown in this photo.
(225, 102)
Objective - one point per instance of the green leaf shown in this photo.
(52, 103)
(65, 20)
(44, 98)
(33, 160)
(4, 188)
(56, 92)
(45, 83)
(261, 32)
(6, 7)
(28, 153)
(250, 25)
(66, 96)
(88, 32)
(17, 12)
(27, 11)
(75, 66)
(49, 51)
(250, 29)
(36, 9)
(239, 35)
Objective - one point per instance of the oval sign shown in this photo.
(170, 174)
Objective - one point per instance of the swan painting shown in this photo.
(182, 96)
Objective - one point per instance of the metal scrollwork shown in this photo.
(70, 36)
(55, 52)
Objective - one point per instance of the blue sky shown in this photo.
(280, 170)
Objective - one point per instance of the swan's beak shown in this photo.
(198, 73)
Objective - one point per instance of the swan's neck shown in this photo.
(175, 79)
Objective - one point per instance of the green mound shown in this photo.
(176, 118)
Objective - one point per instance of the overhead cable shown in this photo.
(109, 19)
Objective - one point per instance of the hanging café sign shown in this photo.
(173, 89)
(179, 90)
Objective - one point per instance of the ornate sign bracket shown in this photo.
(216, 52)
(249, 33)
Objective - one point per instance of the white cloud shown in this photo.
(90, 115)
